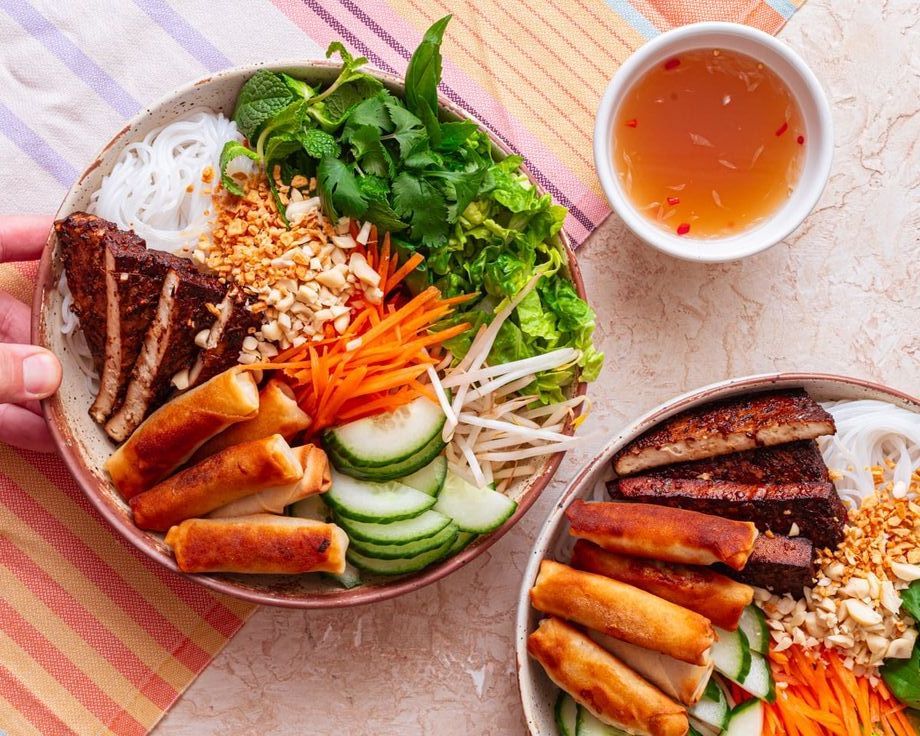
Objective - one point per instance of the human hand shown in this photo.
(27, 373)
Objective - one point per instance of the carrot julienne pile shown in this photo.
(817, 696)
(377, 364)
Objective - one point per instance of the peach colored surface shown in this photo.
(842, 296)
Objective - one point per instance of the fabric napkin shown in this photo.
(95, 638)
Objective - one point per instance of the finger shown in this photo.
(15, 320)
(22, 237)
(27, 372)
(21, 428)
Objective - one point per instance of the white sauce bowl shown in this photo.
(818, 136)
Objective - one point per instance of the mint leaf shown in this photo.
(297, 86)
(423, 76)
(319, 143)
(374, 187)
(339, 190)
(419, 202)
(288, 120)
(280, 146)
(233, 150)
(263, 96)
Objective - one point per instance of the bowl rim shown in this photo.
(777, 226)
(85, 478)
(582, 484)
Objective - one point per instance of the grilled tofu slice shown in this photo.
(133, 280)
(796, 462)
(814, 507)
(169, 342)
(80, 241)
(781, 564)
(745, 423)
(234, 321)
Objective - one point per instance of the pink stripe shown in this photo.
(74, 680)
(104, 576)
(198, 598)
(87, 626)
(593, 206)
(32, 709)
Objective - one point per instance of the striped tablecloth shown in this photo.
(94, 637)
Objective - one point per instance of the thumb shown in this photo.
(27, 372)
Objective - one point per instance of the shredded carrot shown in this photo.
(818, 696)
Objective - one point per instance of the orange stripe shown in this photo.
(14, 722)
(51, 532)
(62, 669)
(30, 707)
(223, 613)
(84, 623)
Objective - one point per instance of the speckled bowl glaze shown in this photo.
(538, 693)
(85, 448)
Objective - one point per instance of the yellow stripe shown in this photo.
(100, 539)
(47, 689)
(99, 605)
(77, 651)
(13, 283)
(15, 723)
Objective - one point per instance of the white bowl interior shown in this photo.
(87, 445)
(538, 692)
(818, 133)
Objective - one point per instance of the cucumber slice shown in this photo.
(754, 625)
(349, 579)
(387, 438)
(759, 681)
(713, 708)
(312, 507)
(587, 724)
(429, 479)
(473, 509)
(462, 541)
(377, 502)
(394, 471)
(400, 566)
(731, 654)
(403, 551)
(566, 714)
(423, 526)
(746, 720)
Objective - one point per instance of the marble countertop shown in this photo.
(842, 295)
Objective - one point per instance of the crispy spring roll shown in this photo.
(679, 680)
(602, 683)
(238, 471)
(316, 479)
(169, 436)
(718, 598)
(663, 533)
(278, 414)
(261, 543)
(622, 611)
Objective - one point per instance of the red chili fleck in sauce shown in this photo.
(673, 201)
(800, 140)
(683, 228)
(671, 64)
(632, 123)
(782, 128)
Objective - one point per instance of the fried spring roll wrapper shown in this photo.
(602, 683)
(679, 680)
(238, 471)
(169, 436)
(278, 414)
(261, 543)
(663, 533)
(316, 479)
(622, 611)
(718, 598)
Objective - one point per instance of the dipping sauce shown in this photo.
(709, 143)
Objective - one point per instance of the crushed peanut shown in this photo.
(855, 605)
(302, 276)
